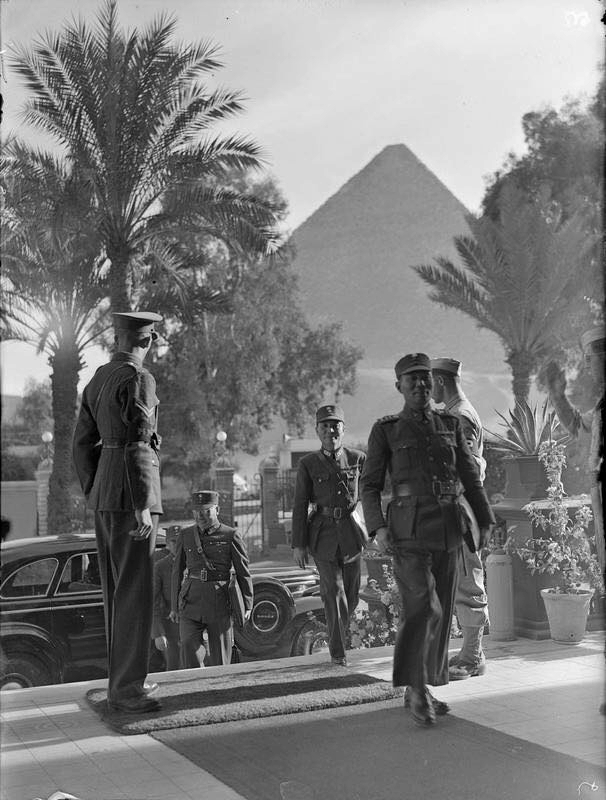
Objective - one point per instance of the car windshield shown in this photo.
(30, 580)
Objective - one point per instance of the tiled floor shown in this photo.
(542, 692)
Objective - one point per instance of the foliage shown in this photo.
(520, 275)
(237, 371)
(134, 115)
(566, 549)
(526, 429)
(378, 626)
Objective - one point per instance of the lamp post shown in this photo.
(47, 439)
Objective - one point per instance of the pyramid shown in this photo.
(354, 262)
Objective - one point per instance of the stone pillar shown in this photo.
(43, 474)
(273, 533)
(223, 482)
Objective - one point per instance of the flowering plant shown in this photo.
(566, 547)
(378, 625)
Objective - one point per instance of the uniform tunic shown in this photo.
(331, 485)
(430, 465)
(204, 604)
(115, 451)
(471, 602)
(162, 625)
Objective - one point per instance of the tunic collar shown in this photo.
(336, 455)
(128, 358)
(417, 416)
(212, 529)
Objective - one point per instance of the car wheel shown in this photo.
(312, 637)
(272, 611)
(21, 670)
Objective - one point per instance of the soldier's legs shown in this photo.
(334, 600)
(126, 570)
(190, 636)
(444, 571)
(171, 654)
(220, 643)
(351, 584)
(422, 613)
(471, 606)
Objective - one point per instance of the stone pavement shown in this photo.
(539, 691)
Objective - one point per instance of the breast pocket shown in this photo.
(405, 454)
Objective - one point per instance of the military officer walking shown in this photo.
(165, 632)
(204, 556)
(430, 466)
(471, 602)
(115, 452)
(328, 480)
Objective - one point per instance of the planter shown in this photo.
(525, 476)
(567, 615)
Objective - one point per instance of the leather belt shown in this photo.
(113, 443)
(338, 512)
(206, 575)
(434, 489)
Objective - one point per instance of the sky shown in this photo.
(330, 83)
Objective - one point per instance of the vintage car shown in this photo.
(52, 628)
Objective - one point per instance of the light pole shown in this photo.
(47, 439)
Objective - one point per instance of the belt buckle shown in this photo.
(337, 513)
(203, 574)
(436, 488)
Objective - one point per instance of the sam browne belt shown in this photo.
(446, 488)
(337, 512)
(206, 575)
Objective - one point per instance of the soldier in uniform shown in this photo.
(471, 602)
(115, 452)
(165, 632)
(329, 479)
(430, 466)
(205, 554)
(591, 422)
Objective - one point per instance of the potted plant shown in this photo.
(527, 428)
(561, 546)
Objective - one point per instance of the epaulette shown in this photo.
(389, 418)
(443, 413)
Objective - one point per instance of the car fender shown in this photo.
(27, 638)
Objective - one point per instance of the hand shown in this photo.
(301, 556)
(556, 379)
(485, 534)
(351, 559)
(173, 616)
(382, 540)
(161, 643)
(247, 615)
(144, 524)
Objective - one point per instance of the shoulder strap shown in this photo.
(208, 564)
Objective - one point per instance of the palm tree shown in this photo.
(131, 111)
(52, 289)
(522, 275)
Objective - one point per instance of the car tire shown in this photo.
(311, 638)
(22, 671)
(273, 609)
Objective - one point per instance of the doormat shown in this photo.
(247, 695)
(377, 753)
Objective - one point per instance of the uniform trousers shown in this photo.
(220, 642)
(427, 581)
(127, 578)
(339, 589)
(172, 657)
(470, 600)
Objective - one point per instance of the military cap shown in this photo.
(450, 365)
(592, 339)
(140, 321)
(413, 362)
(325, 413)
(205, 498)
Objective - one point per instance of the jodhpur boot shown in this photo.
(421, 706)
(471, 658)
(439, 706)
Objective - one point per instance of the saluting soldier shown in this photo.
(115, 452)
(328, 481)
(165, 632)
(205, 554)
(430, 466)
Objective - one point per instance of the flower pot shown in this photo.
(567, 615)
(525, 477)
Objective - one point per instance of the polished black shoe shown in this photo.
(421, 707)
(439, 706)
(133, 705)
(339, 661)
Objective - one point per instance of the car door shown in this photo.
(78, 617)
